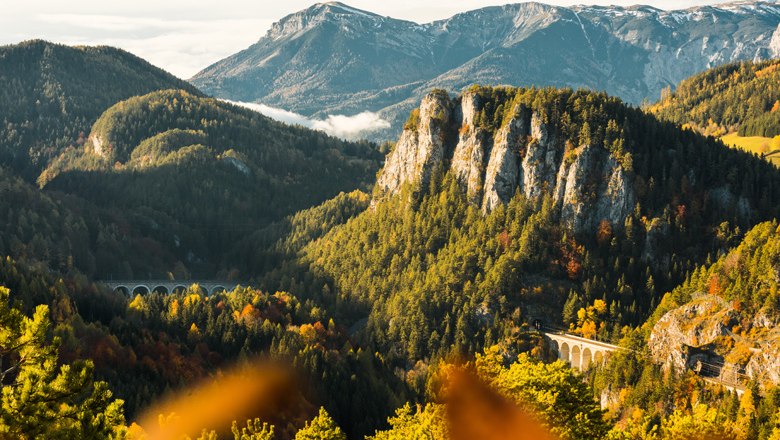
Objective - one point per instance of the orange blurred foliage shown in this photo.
(261, 390)
(476, 411)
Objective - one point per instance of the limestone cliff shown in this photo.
(593, 188)
(473, 149)
(701, 323)
(503, 170)
(421, 147)
(520, 152)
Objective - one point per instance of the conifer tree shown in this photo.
(321, 427)
(41, 399)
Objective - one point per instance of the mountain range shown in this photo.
(335, 59)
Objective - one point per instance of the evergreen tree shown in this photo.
(321, 427)
(40, 399)
(254, 430)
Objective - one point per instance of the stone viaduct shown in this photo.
(133, 287)
(580, 352)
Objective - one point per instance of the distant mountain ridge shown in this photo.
(50, 94)
(332, 58)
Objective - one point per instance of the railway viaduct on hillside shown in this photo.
(143, 287)
(580, 352)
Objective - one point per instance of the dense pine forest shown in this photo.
(386, 310)
(740, 97)
(210, 172)
(428, 274)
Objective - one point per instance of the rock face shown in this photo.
(420, 149)
(524, 154)
(764, 365)
(696, 324)
(593, 188)
(701, 331)
(503, 171)
(474, 145)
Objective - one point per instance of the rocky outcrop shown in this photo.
(542, 160)
(473, 148)
(524, 153)
(701, 330)
(593, 188)
(421, 148)
(694, 325)
(97, 145)
(764, 365)
(503, 170)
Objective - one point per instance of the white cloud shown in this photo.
(181, 46)
(347, 127)
(280, 115)
(114, 22)
(351, 127)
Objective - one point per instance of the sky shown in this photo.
(185, 36)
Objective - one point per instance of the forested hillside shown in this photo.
(70, 235)
(52, 94)
(407, 289)
(160, 342)
(163, 185)
(741, 97)
(736, 305)
(205, 172)
(719, 324)
(426, 272)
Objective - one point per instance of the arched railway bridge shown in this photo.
(131, 288)
(580, 352)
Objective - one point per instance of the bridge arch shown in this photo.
(576, 356)
(564, 352)
(587, 358)
(161, 289)
(217, 289)
(124, 290)
(179, 288)
(140, 290)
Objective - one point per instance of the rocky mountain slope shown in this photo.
(50, 95)
(332, 58)
(522, 154)
(726, 315)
